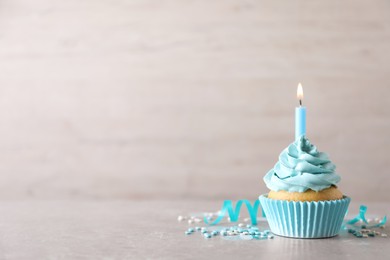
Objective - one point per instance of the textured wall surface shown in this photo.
(179, 99)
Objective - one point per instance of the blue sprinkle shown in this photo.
(203, 231)
(214, 233)
(248, 226)
(197, 228)
(206, 235)
(191, 230)
(188, 233)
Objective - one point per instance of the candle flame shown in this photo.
(300, 92)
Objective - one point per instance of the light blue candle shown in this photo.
(300, 115)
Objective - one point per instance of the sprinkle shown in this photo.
(188, 233)
(214, 233)
(270, 237)
(190, 221)
(197, 228)
(207, 235)
(191, 230)
(383, 235)
(246, 237)
(180, 218)
(197, 220)
(204, 231)
(246, 219)
(241, 225)
(364, 235)
(248, 226)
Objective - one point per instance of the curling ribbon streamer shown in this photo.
(362, 217)
(235, 213)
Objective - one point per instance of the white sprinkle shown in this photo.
(180, 218)
(190, 221)
(384, 235)
(246, 237)
(365, 235)
(197, 220)
(246, 219)
(241, 225)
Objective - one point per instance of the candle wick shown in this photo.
(300, 102)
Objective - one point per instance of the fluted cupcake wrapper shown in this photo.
(305, 219)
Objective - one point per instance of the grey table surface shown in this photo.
(149, 230)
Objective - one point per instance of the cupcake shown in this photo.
(304, 201)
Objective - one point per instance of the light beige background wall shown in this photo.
(179, 99)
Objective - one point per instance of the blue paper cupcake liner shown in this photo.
(305, 219)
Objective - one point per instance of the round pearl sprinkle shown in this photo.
(241, 225)
(197, 220)
(207, 235)
(180, 218)
(246, 237)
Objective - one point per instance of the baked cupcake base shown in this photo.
(305, 219)
(331, 193)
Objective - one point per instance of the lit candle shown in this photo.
(300, 115)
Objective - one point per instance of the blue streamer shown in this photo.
(362, 217)
(235, 213)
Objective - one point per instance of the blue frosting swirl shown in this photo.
(301, 167)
